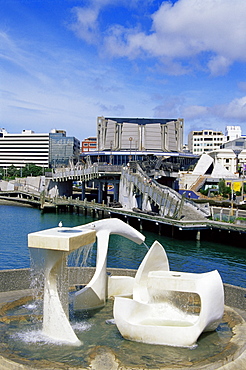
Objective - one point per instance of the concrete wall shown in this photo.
(59, 188)
(12, 280)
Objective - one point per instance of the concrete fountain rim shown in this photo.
(235, 361)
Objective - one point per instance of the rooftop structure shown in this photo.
(236, 144)
(233, 132)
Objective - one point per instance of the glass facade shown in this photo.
(64, 151)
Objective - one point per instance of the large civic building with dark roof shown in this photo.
(140, 134)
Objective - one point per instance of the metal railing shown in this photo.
(168, 200)
(87, 172)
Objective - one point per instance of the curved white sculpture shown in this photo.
(126, 286)
(154, 314)
(160, 321)
(155, 260)
(95, 293)
(57, 243)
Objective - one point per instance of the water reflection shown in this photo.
(184, 255)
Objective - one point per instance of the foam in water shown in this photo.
(35, 336)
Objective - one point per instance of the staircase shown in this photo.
(136, 184)
(198, 183)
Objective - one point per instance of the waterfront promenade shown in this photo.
(188, 226)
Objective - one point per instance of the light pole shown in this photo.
(244, 168)
(111, 156)
(130, 141)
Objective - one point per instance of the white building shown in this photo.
(233, 132)
(20, 149)
(47, 149)
(205, 141)
(226, 158)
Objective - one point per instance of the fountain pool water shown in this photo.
(103, 347)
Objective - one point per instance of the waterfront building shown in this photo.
(64, 150)
(89, 144)
(140, 134)
(205, 141)
(42, 149)
(23, 148)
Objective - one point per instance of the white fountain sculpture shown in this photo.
(155, 314)
(57, 243)
(95, 293)
(147, 308)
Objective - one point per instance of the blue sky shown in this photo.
(66, 62)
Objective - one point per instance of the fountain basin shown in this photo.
(105, 349)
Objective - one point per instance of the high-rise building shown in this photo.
(42, 149)
(63, 150)
(20, 149)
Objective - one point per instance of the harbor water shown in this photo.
(184, 255)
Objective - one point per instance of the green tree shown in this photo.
(12, 172)
(31, 169)
(223, 189)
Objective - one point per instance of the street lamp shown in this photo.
(244, 169)
(111, 156)
(130, 141)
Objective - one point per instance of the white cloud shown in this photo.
(171, 107)
(186, 29)
(235, 110)
(232, 112)
(195, 111)
(86, 25)
(219, 65)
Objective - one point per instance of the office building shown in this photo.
(23, 148)
(42, 149)
(63, 150)
(205, 141)
(89, 144)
